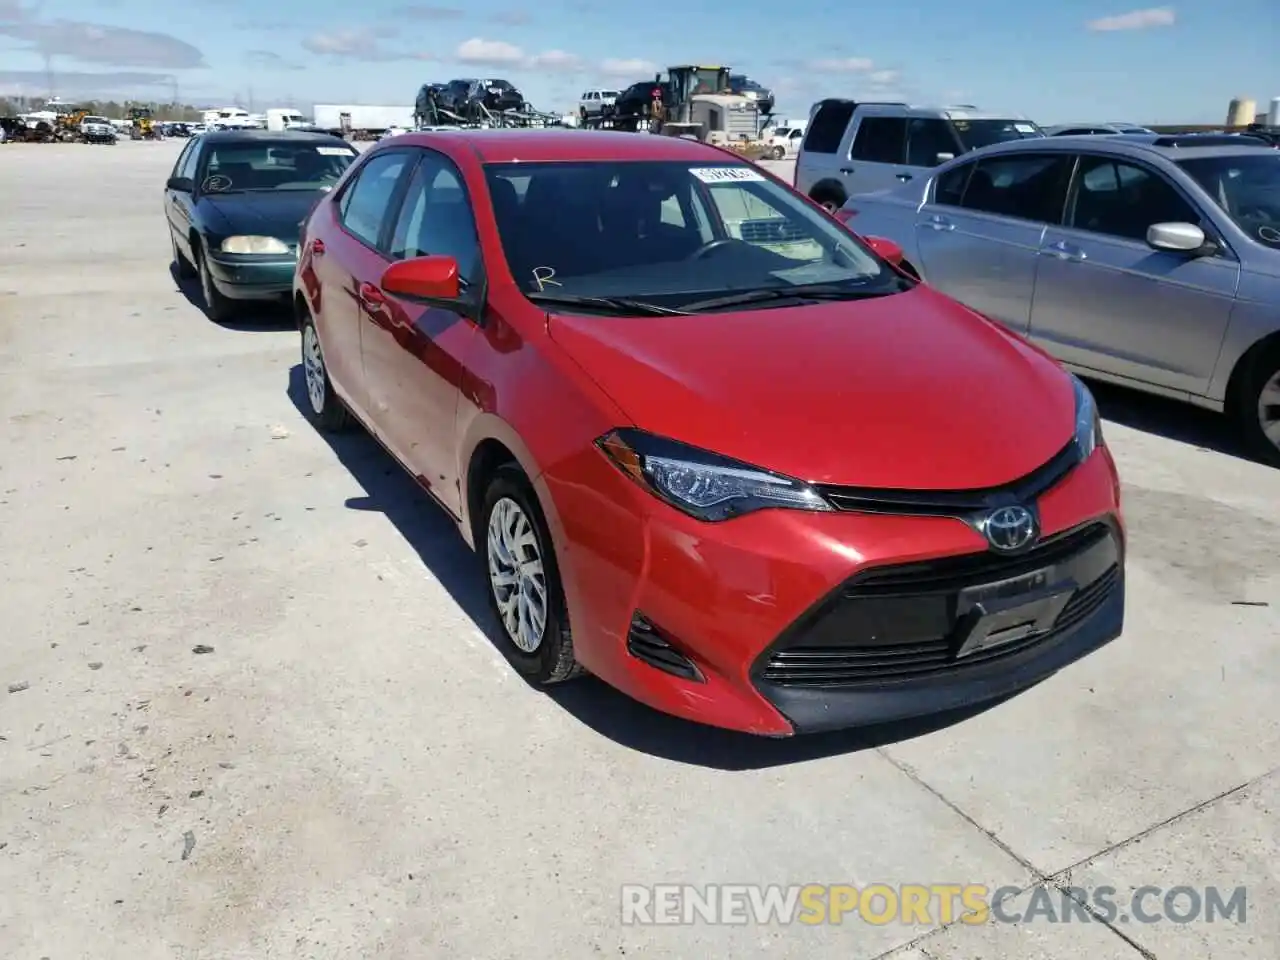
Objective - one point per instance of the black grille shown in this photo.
(901, 623)
(645, 642)
(953, 502)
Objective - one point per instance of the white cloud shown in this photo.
(488, 53)
(883, 78)
(498, 53)
(843, 65)
(1135, 20)
(628, 68)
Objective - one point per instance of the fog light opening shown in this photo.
(646, 643)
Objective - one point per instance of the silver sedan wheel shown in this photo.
(313, 368)
(516, 575)
(1269, 410)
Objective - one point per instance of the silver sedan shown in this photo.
(1144, 260)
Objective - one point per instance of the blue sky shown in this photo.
(1064, 61)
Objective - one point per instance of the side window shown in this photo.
(881, 140)
(926, 139)
(363, 208)
(827, 127)
(436, 218)
(1026, 186)
(950, 186)
(1123, 199)
(181, 162)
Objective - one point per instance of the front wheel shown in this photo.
(218, 307)
(1258, 407)
(525, 592)
(777, 153)
(181, 264)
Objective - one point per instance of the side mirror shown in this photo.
(886, 249)
(180, 184)
(423, 278)
(1176, 237)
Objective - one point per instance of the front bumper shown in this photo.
(772, 611)
(252, 278)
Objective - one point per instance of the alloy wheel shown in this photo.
(516, 575)
(1269, 410)
(313, 368)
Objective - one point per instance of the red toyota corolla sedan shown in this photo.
(714, 448)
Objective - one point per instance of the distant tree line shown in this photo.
(112, 109)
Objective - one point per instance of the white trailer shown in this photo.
(363, 118)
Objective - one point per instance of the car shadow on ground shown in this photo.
(1172, 419)
(254, 317)
(389, 490)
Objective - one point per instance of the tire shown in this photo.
(513, 530)
(1257, 407)
(777, 153)
(828, 201)
(216, 306)
(324, 409)
(181, 265)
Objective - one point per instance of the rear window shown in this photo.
(609, 93)
(827, 128)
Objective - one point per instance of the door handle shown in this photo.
(936, 222)
(904, 177)
(846, 169)
(1064, 251)
(371, 298)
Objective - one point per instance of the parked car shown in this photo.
(472, 98)
(97, 130)
(235, 201)
(915, 511)
(1148, 261)
(596, 103)
(784, 142)
(854, 147)
(1095, 129)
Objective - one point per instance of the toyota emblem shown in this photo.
(1010, 529)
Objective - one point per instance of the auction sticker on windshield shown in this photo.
(334, 151)
(726, 174)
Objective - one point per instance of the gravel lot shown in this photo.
(350, 770)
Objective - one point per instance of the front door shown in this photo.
(414, 355)
(1108, 302)
(978, 235)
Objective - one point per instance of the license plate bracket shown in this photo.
(993, 615)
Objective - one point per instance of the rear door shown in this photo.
(820, 160)
(877, 152)
(979, 234)
(359, 221)
(1107, 301)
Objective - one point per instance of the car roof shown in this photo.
(541, 146)
(272, 136)
(1175, 147)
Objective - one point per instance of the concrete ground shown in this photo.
(349, 769)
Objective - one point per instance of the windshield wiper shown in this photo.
(620, 305)
(809, 291)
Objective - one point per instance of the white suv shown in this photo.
(852, 148)
(594, 103)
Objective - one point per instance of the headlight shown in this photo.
(254, 245)
(704, 485)
(1088, 435)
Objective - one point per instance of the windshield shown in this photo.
(608, 93)
(1247, 188)
(669, 234)
(238, 167)
(975, 134)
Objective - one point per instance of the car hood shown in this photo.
(263, 214)
(911, 391)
